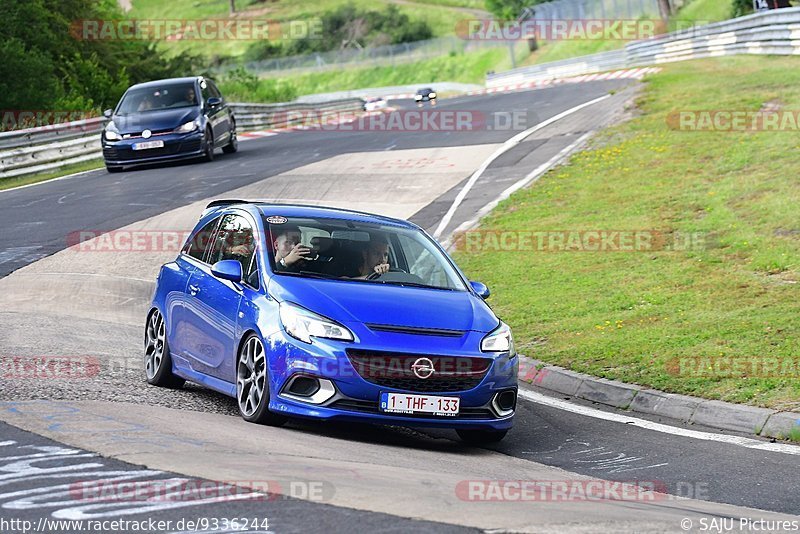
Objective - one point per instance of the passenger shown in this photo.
(290, 254)
(375, 258)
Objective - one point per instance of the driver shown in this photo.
(190, 96)
(290, 255)
(375, 257)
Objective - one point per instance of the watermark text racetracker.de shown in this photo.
(411, 120)
(558, 29)
(723, 366)
(645, 240)
(214, 29)
(734, 121)
(49, 525)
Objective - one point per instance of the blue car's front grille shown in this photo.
(397, 371)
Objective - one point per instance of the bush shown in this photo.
(741, 7)
(351, 27)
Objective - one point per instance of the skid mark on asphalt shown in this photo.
(598, 458)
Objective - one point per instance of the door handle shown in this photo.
(194, 290)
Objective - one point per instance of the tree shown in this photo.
(665, 7)
(509, 9)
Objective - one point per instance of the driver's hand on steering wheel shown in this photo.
(382, 268)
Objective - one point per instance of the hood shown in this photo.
(167, 119)
(375, 303)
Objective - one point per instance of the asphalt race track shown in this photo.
(62, 302)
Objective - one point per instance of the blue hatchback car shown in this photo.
(312, 312)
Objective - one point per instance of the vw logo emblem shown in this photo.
(146, 134)
(423, 368)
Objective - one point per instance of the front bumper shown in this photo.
(357, 399)
(176, 147)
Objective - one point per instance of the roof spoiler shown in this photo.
(214, 204)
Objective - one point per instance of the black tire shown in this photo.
(208, 143)
(481, 437)
(233, 144)
(158, 371)
(259, 413)
(113, 168)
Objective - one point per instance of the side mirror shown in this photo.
(228, 270)
(107, 113)
(481, 289)
(213, 102)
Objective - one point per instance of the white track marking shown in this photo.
(748, 443)
(524, 182)
(508, 145)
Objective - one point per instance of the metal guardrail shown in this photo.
(47, 148)
(775, 32)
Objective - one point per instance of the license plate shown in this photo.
(148, 144)
(411, 404)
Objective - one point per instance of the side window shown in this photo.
(212, 89)
(196, 246)
(235, 241)
(422, 263)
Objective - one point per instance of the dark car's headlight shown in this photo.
(499, 340)
(417, 97)
(304, 324)
(432, 95)
(187, 127)
(111, 132)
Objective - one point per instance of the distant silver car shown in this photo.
(374, 104)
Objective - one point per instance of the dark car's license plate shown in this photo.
(148, 144)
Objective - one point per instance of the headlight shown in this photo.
(111, 132)
(304, 324)
(417, 97)
(188, 127)
(499, 340)
(432, 95)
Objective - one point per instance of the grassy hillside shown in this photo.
(467, 68)
(633, 315)
(441, 15)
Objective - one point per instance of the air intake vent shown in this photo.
(416, 330)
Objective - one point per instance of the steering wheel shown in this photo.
(373, 275)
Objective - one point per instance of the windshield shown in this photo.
(358, 252)
(158, 97)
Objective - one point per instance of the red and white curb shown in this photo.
(635, 74)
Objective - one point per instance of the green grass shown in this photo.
(706, 10)
(8, 183)
(467, 68)
(628, 315)
(441, 15)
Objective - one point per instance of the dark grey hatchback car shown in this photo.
(167, 120)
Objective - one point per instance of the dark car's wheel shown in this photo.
(252, 384)
(157, 361)
(481, 437)
(233, 144)
(208, 142)
(113, 168)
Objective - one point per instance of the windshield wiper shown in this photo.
(415, 284)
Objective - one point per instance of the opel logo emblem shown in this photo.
(423, 368)
(146, 134)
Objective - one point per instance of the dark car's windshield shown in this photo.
(363, 252)
(158, 97)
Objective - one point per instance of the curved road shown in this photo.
(56, 303)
